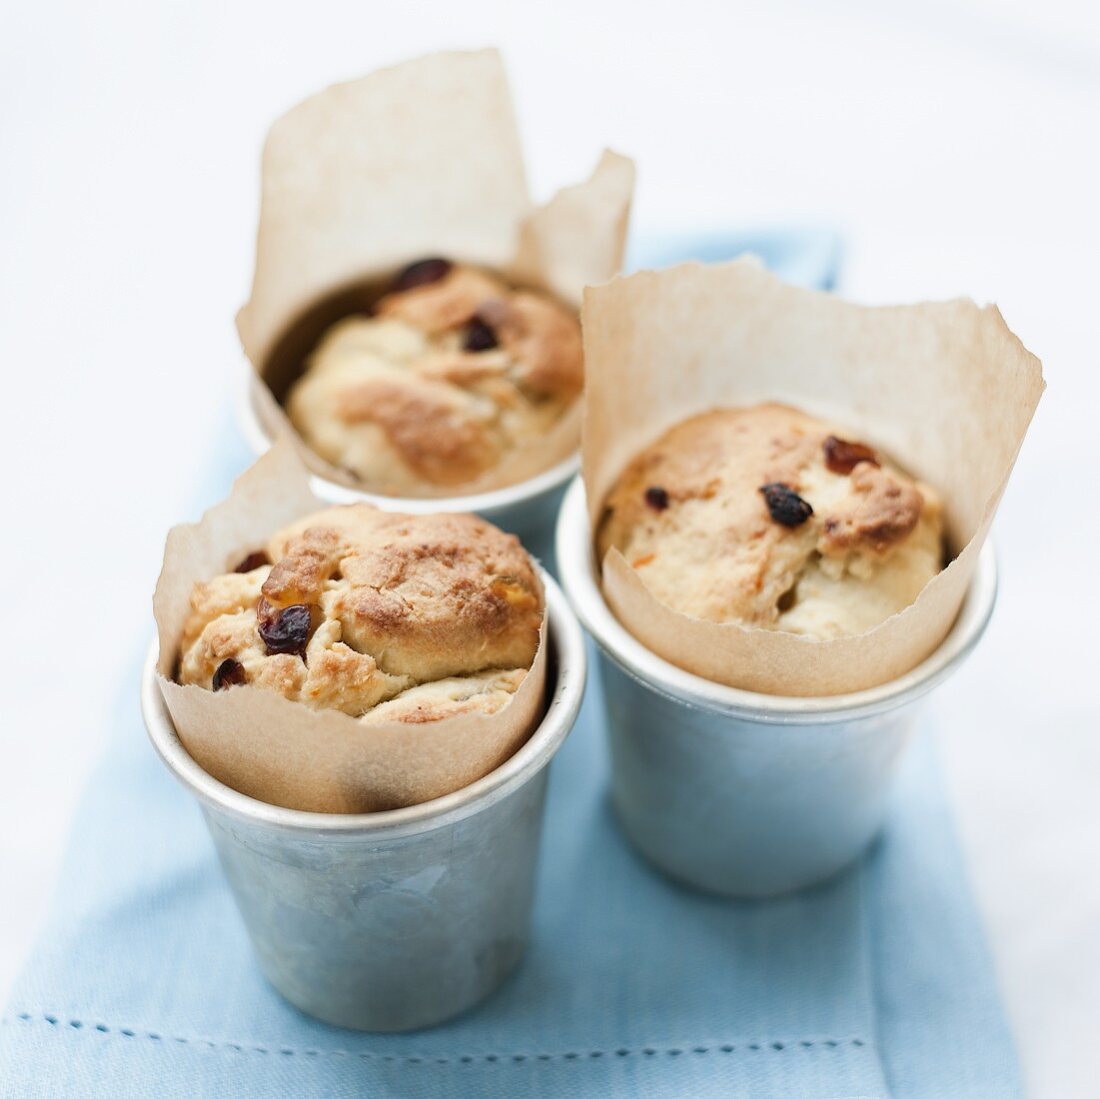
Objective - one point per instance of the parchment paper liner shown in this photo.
(422, 159)
(944, 388)
(286, 753)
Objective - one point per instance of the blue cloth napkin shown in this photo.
(878, 983)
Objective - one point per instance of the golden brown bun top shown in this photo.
(540, 336)
(353, 606)
(428, 595)
(767, 517)
(450, 376)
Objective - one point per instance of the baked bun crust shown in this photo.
(769, 518)
(353, 607)
(440, 383)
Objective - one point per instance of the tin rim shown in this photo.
(568, 665)
(577, 566)
(487, 504)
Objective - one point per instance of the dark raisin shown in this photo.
(229, 673)
(285, 631)
(656, 497)
(479, 336)
(787, 599)
(421, 273)
(842, 456)
(785, 505)
(253, 561)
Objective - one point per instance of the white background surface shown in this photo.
(954, 143)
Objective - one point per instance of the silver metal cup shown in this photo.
(742, 793)
(394, 920)
(528, 509)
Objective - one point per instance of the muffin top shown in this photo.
(451, 370)
(396, 617)
(769, 518)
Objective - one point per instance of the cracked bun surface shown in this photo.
(383, 616)
(769, 518)
(450, 371)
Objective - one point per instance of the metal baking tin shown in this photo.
(528, 509)
(401, 919)
(737, 792)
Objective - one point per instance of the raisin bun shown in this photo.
(768, 518)
(439, 384)
(395, 617)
